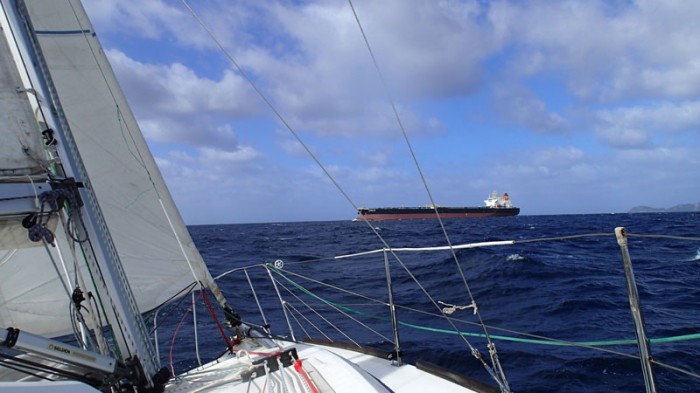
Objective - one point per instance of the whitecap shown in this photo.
(515, 257)
(697, 255)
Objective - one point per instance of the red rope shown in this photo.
(300, 370)
(229, 344)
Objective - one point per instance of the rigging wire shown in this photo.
(337, 307)
(532, 338)
(170, 304)
(503, 382)
(319, 315)
(296, 312)
(268, 102)
(340, 189)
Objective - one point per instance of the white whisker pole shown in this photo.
(642, 339)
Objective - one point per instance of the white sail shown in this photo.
(138, 243)
(21, 151)
(156, 251)
(31, 295)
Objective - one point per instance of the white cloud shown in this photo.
(546, 165)
(292, 147)
(158, 20)
(175, 105)
(520, 106)
(633, 127)
(594, 87)
(175, 89)
(217, 157)
(607, 51)
(623, 137)
(558, 157)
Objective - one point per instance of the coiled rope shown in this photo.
(51, 202)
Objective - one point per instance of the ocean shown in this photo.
(571, 290)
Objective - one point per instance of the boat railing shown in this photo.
(303, 296)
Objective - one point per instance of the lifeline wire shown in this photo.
(535, 339)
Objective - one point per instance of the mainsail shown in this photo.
(99, 216)
(156, 251)
(21, 150)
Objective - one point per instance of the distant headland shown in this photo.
(686, 207)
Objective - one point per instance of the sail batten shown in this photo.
(61, 32)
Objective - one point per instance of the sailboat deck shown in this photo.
(331, 370)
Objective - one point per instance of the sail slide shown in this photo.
(150, 237)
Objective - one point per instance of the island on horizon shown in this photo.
(682, 208)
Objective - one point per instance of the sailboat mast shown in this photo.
(109, 279)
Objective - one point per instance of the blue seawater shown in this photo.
(572, 290)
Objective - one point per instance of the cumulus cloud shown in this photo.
(176, 89)
(590, 87)
(633, 127)
(520, 106)
(212, 166)
(175, 105)
(621, 136)
(607, 50)
(158, 20)
(558, 157)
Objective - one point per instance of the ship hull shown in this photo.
(418, 213)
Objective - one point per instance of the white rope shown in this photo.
(36, 195)
(179, 243)
(451, 308)
(437, 248)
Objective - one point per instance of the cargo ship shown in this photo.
(494, 206)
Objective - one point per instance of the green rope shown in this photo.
(661, 340)
(684, 337)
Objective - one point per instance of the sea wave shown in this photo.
(570, 289)
(697, 255)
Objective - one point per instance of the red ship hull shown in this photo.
(419, 213)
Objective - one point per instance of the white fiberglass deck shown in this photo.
(330, 369)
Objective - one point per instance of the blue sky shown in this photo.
(570, 107)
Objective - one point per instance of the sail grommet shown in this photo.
(279, 264)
